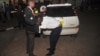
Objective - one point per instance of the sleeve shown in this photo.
(29, 19)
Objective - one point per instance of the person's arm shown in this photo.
(29, 18)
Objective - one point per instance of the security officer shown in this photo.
(31, 26)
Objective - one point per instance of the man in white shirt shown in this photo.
(55, 25)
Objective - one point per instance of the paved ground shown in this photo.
(86, 44)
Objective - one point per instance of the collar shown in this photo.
(30, 8)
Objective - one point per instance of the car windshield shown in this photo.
(60, 11)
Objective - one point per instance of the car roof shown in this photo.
(57, 5)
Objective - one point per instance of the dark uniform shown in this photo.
(31, 29)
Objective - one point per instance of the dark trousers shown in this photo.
(21, 23)
(54, 37)
(30, 42)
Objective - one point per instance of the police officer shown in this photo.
(31, 26)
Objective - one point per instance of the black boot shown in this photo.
(32, 55)
(50, 54)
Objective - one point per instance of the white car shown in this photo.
(67, 14)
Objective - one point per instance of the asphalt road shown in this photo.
(12, 43)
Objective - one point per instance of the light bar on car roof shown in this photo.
(53, 5)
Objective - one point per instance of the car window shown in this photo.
(60, 11)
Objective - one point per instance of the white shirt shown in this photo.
(31, 9)
(49, 23)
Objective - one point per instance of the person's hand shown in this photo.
(16, 9)
(39, 21)
(22, 11)
(13, 11)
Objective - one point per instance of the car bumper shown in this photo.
(65, 31)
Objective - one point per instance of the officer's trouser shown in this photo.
(54, 37)
(30, 41)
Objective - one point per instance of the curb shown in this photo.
(7, 29)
